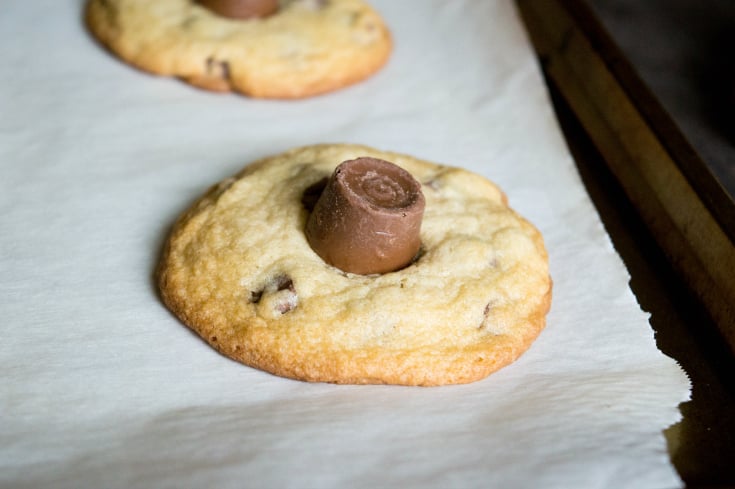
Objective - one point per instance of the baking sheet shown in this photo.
(686, 61)
(103, 387)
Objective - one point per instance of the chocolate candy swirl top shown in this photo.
(241, 9)
(368, 218)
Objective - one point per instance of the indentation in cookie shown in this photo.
(312, 193)
(419, 254)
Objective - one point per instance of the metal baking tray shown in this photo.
(668, 215)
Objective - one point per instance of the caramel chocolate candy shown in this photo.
(368, 218)
(241, 9)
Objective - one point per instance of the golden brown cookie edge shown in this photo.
(343, 367)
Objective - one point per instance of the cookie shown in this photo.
(238, 270)
(307, 47)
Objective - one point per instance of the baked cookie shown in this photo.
(238, 269)
(305, 48)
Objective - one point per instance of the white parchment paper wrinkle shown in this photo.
(102, 387)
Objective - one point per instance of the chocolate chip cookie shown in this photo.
(239, 270)
(304, 48)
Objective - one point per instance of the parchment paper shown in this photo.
(103, 387)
